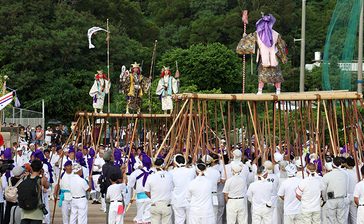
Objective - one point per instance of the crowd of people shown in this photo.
(236, 186)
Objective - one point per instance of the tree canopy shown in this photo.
(44, 48)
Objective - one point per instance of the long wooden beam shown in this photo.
(112, 115)
(288, 96)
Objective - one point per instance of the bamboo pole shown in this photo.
(254, 127)
(225, 132)
(330, 133)
(172, 126)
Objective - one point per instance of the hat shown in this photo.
(79, 144)
(107, 155)
(237, 167)
(328, 166)
(76, 167)
(262, 171)
(147, 162)
(207, 159)
(179, 157)
(237, 154)
(299, 164)
(159, 162)
(268, 165)
(68, 163)
(200, 168)
(39, 155)
(7, 154)
(19, 149)
(79, 155)
(278, 157)
(313, 157)
(17, 171)
(91, 152)
(291, 170)
(135, 65)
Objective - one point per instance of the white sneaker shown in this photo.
(278, 91)
(259, 93)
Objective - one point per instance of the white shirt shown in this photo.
(160, 186)
(48, 138)
(292, 205)
(116, 192)
(214, 176)
(352, 180)
(200, 197)
(336, 181)
(65, 184)
(235, 187)
(181, 178)
(98, 163)
(78, 187)
(359, 192)
(132, 181)
(260, 194)
(310, 190)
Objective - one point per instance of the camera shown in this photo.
(330, 195)
(6, 165)
(43, 208)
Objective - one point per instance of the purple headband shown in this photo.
(67, 163)
(91, 152)
(147, 162)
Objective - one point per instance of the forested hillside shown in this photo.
(44, 48)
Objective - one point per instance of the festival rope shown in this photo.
(245, 22)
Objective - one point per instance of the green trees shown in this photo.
(44, 49)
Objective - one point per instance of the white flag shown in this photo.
(90, 32)
(6, 100)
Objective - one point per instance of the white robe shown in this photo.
(96, 91)
(163, 88)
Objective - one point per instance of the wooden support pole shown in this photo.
(330, 132)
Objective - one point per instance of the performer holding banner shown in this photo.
(167, 86)
(271, 47)
(98, 90)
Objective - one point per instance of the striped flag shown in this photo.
(6, 100)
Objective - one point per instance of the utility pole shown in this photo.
(303, 43)
(360, 52)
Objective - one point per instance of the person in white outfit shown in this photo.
(78, 189)
(181, 177)
(65, 197)
(309, 192)
(235, 190)
(215, 177)
(336, 184)
(352, 210)
(260, 194)
(200, 197)
(137, 180)
(115, 194)
(359, 199)
(287, 192)
(19, 158)
(96, 172)
(159, 188)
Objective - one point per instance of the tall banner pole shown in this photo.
(245, 22)
(151, 75)
(108, 62)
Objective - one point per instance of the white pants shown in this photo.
(236, 211)
(360, 215)
(66, 211)
(79, 211)
(201, 217)
(114, 217)
(278, 211)
(180, 215)
(161, 213)
(292, 219)
(262, 215)
(46, 218)
(352, 213)
(310, 218)
(336, 210)
(143, 211)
